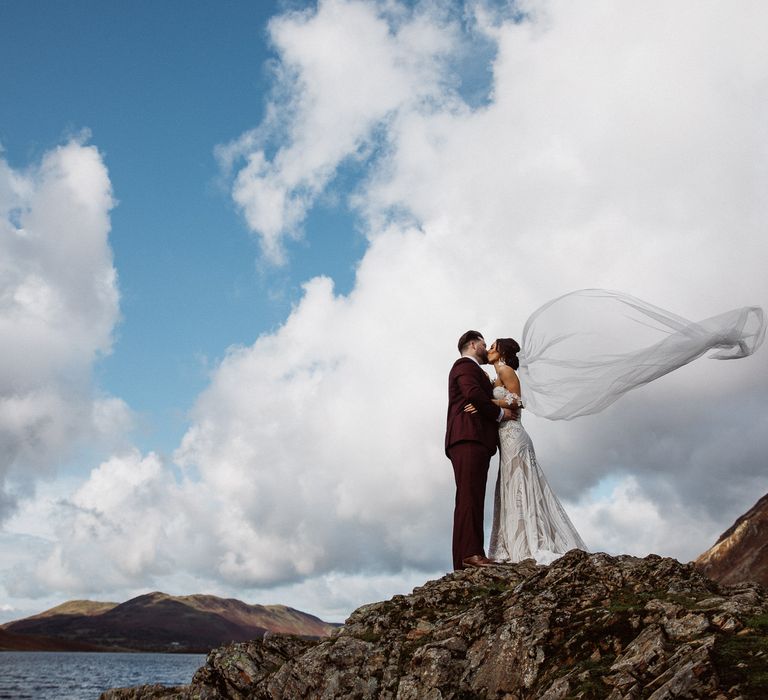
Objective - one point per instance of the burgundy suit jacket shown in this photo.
(468, 383)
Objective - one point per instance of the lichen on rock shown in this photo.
(586, 626)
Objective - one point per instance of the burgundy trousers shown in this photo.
(470, 468)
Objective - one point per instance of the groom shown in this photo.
(470, 442)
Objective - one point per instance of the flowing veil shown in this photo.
(582, 351)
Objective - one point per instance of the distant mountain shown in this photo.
(75, 607)
(741, 553)
(25, 642)
(160, 622)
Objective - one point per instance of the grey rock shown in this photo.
(587, 626)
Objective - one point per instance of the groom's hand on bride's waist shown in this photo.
(507, 413)
(511, 414)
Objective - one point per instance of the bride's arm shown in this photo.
(511, 383)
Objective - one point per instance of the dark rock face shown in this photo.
(588, 626)
(741, 553)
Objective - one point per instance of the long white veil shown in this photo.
(582, 351)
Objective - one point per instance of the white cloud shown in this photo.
(617, 149)
(58, 307)
(117, 515)
(627, 520)
(333, 103)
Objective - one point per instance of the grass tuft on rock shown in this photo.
(742, 659)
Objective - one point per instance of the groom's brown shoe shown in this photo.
(477, 561)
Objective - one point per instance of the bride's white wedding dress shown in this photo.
(528, 520)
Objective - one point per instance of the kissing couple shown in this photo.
(528, 520)
(580, 352)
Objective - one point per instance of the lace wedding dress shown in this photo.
(528, 520)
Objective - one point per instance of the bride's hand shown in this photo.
(469, 408)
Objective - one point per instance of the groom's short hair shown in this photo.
(467, 338)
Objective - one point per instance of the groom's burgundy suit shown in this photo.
(470, 442)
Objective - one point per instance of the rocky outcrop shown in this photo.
(160, 622)
(741, 552)
(588, 626)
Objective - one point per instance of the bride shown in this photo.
(528, 520)
(580, 353)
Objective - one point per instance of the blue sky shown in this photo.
(305, 205)
(157, 86)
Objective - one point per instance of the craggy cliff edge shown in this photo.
(588, 626)
(741, 552)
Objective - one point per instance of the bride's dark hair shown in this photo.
(508, 349)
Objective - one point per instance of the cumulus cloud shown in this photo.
(58, 307)
(105, 519)
(626, 520)
(333, 104)
(616, 149)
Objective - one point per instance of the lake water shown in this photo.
(55, 675)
